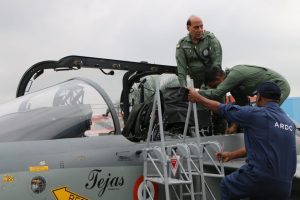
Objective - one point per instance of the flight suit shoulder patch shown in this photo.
(210, 35)
(179, 44)
(186, 46)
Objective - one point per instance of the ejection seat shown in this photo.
(174, 108)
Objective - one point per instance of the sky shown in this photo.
(256, 32)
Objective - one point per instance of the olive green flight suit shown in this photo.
(242, 81)
(194, 59)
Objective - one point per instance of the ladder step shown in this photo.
(189, 194)
(155, 160)
(213, 175)
(171, 181)
(194, 173)
(195, 156)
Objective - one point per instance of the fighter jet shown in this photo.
(70, 141)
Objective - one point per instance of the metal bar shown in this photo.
(148, 191)
(197, 169)
(211, 193)
(145, 171)
(189, 160)
(151, 122)
(180, 165)
(210, 157)
(202, 174)
(163, 146)
(187, 119)
(196, 118)
(213, 175)
(177, 197)
(154, 164)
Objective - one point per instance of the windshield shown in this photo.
(71, 109)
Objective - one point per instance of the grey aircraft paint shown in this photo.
(57, 161)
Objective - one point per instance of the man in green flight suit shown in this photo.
(241, 81)
(197, 52)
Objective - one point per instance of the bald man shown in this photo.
(197, 52)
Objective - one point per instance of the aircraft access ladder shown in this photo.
(179, 166)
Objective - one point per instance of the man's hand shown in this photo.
(193, 95)
(231, 129)
(224, 156)
(227, 156)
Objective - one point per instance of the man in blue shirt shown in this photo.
(270, 147)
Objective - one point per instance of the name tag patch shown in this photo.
(282, 126)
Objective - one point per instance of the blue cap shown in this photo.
(269, 90)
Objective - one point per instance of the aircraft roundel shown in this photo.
(139, 187)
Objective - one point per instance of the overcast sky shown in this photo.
(260, 32)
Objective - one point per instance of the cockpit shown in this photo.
(80, 107)
(74, 108)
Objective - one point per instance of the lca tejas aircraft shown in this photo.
(70, 141)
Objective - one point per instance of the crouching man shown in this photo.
(270, 146)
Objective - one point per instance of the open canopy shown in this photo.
(69, 109)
